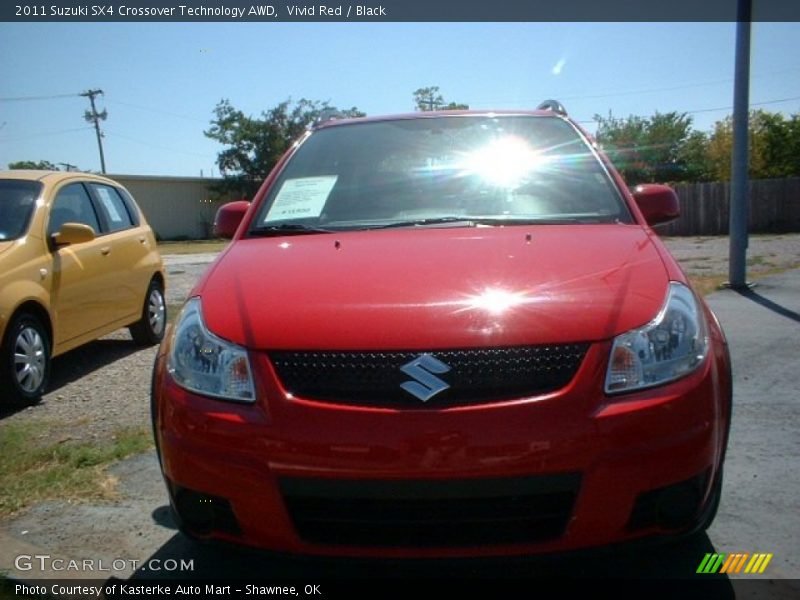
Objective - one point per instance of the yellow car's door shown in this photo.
(128, 261)
(80, 298)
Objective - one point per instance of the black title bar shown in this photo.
(395, 11)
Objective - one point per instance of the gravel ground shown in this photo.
(709, 255)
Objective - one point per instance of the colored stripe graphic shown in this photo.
(703, 563)
(734, 562)
(765, 563)
(741, 562)
(729, 564)
(711, 563)
(758, 563)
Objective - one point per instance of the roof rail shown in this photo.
(553, 105)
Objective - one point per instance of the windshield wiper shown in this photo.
(423, 222)
(473, 221)
(287, 229)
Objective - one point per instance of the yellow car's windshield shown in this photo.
(17, 199)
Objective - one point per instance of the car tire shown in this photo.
(150, 328)
(25, 358)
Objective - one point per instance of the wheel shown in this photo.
(149, 329)
(25, 357)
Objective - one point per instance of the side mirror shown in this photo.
(73, 233)
(658, 203)
(228, 218)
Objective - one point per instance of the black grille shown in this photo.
(475, 376)
(422, 513)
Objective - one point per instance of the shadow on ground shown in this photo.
(76, 364)
(667, 561)
(84, 360)
(8, 408)
(778, 309)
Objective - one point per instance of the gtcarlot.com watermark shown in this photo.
(47, 562)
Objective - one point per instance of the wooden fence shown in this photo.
(705, 208)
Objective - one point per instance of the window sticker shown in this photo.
(108, 204)
(301, 198)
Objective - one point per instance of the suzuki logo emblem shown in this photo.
(426, 384)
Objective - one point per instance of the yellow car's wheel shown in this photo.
(25, 357)
(150, 328)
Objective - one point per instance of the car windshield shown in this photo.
(17, 198)
(441, 171)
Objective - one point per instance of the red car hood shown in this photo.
(435, 288)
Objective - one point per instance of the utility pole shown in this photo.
(68, 166)
(737, 267)
(96, 117)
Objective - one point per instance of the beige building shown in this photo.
(176, 207)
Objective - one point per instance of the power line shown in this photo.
(717, 109)
(646, 91)
(111, 101)
(157, 111)
(610, 94)
(26, 98)
(149, 145)
(42, 134)
(702, 110)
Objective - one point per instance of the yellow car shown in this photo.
(77, 261)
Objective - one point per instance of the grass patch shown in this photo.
(29, 474)
(707, 284)
(191, 247)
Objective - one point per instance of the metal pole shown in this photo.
(739, 162)
(95, 116)
(99, 136)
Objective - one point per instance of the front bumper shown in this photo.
(600, 464)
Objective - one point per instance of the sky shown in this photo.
(161, 81)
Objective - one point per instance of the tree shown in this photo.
(773, 148)
(693, 155)
(665, 148)
(623, 139)
(662, 148)
(42, 165)
(793, 127)
(253, 145)
(428, 99)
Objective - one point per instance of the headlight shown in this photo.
(672, 345)
(201, 362)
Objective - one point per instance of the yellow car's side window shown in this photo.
(72, 205)
(112, 206)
